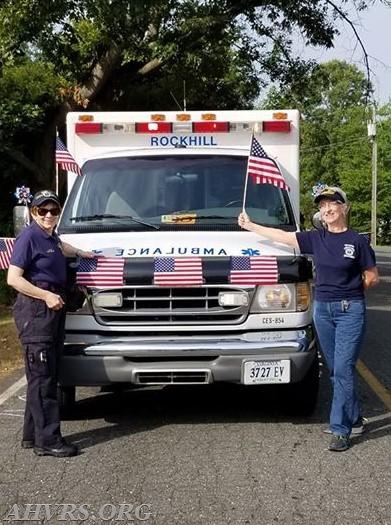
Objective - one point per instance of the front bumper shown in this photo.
(181, 360)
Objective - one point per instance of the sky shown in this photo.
(374, 29)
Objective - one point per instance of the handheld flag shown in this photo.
(64, 159)
(263, 169)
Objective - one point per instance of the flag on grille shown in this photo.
(178, 271)
(64, 159)
(253, 270)
(101, 272)
(6, 247)
(263, 169)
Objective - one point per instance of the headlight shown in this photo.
(282, 298)
(274, 298)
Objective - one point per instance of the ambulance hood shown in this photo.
(173, 244)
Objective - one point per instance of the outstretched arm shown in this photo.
(70, 251)
(274, 234)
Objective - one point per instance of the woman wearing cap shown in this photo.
(345, 267)
(38, 272)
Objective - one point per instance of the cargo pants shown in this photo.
(41, 332)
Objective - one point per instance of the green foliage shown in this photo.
(334, 141)
(122, 55)
(76, 35)
(384, 174)
(28, 92)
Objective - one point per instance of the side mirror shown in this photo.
(317, 221)
(21, 215)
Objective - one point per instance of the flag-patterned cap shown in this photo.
(43, 196)
(331, 193)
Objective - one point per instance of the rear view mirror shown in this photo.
(21, 218)
(317, 221)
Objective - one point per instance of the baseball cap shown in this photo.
(44, 196)
(331, 193)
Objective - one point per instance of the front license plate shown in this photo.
(261, 372)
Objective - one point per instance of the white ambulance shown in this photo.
(179, 294)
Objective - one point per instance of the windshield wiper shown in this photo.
(87, 218)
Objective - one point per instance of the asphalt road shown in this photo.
(210, 456)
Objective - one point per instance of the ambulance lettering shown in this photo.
(174, 250)
(185, 141)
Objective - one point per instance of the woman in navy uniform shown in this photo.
(345, 267)
(38, 272)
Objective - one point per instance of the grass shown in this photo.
(11, 356)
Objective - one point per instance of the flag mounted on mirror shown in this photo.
(6, 247)
(262, 169)
(64, 159)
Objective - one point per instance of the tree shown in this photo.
(29, 92)
(334, 144)
(384, 175)
(117, 54)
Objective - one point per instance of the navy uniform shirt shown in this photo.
(340, 260)
(40, 256)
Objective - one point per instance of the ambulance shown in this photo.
(178, 294)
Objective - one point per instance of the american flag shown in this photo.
(64, 159)
(262, 169)
(6, 247)
(253, 270)
(101, 272)
(178, 271)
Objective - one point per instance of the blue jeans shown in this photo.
(340, 327)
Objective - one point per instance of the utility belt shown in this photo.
(73, 296)
(51, 287)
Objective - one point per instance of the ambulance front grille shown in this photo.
(191, 306)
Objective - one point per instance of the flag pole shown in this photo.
(246, 181)
(56, 179)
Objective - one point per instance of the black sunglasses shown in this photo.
(44, 211)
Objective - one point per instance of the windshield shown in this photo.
(173, 191)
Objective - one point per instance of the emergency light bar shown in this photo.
(183, 126)
(186, 127)
(88, 127)
(276, 126)
(211, 126)
(153, 127)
